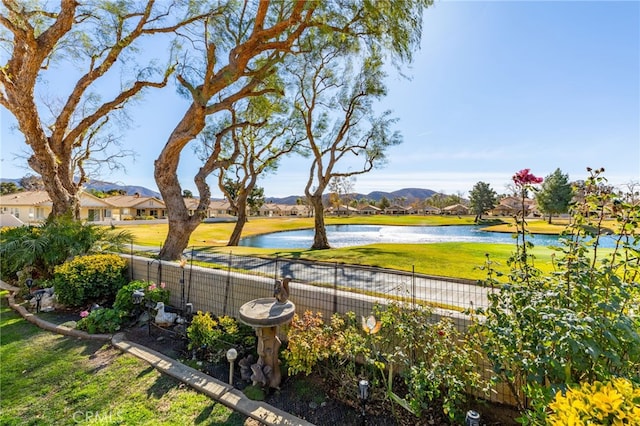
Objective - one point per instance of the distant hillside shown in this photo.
(406, 193)
(107, 186)
(131, 189)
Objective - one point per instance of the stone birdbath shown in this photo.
(265, 315)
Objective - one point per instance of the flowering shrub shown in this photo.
(152, 293)
(100, 321)
(310, 341)
(87, 278)
(436, 361)
(45, 246)
(612, 403)
(432, 357)
(524, 178)
(580, 323)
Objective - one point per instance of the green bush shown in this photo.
(212, 337)
(543, 333)
(101, 321)
(434, 360)
(152, 293)
(87, 278)
(45, 246)
(613, 403)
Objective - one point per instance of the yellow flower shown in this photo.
(612, 403)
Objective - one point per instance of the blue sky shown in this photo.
(496, 87)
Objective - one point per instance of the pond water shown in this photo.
(358, 235)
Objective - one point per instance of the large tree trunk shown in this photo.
(181, 225)
(550, 218)
(178, 237)
(234, 240)
(56, 177)
(320, 240)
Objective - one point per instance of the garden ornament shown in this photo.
(164, 319)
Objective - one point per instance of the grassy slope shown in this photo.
(48, 379)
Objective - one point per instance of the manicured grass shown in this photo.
(459, 260)
(48, 379)
(217, 234)
(541, 226)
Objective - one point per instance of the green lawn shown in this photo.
(217, 234)
(48, 379)
(459, 260)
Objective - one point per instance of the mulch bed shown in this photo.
(323, 405)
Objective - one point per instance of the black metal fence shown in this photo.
(225, 282)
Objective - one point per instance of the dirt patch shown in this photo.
(103, 357)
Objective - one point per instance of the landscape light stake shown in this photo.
(232, 354)
(38, 295)
(363, 393)
(138, 297)
(472, 418)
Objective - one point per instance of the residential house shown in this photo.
(343, 210)
(219, 208)
(35, 206)
(128, 207)
(398, 210)
(370, 210)
(269, 210)
(294, 210)
(277, 210)
(458, 209)
(8, 220)
(512, 206)
(430, 210)
(192, 205)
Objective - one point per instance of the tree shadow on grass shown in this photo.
(145, 372)
(203, 418)
(162, 385)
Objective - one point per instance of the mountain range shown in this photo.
(406, 193)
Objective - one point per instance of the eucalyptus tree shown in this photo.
(72, 50)
(343, 188)
(261, 145)
(233, 54)
(334, 106)
(230, 57)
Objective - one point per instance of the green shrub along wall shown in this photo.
(222, 292)
(89, 278)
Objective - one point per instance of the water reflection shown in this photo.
(358, 235)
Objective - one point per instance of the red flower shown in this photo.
(440, 333)
(523, 177)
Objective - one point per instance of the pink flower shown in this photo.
(162, 285)
(152, 286)
(84, 314)
(523, 177)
